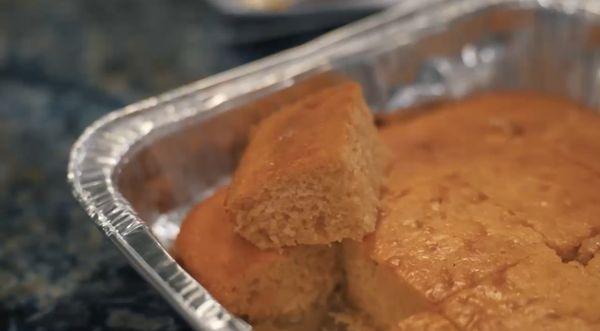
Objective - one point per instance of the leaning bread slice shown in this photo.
(286, 289)
(311, 173)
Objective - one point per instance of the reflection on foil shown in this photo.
(453, 77)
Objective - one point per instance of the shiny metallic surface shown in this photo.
(137, 170)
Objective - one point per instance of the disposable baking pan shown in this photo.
(137, 170)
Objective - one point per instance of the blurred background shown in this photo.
(65, 63)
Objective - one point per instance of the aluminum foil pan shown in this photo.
(137, 170)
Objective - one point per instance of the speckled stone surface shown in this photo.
(62, 65)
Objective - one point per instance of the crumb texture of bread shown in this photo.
(311, 174)
(262, 286)
(311, 319)
(351, 320)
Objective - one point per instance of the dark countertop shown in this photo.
(62, 65)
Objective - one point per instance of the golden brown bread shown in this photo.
(593, 266)
(531, 153)
(489, 219)
(557, 198)
(453, 132)
(576, 139)
(589, 249)
(539, 293)
(486, 204)
(376, 290)
(311, 173)
(437, 236)
(267, 287)
(426, 321)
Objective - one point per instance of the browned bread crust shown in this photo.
(489, 221)
(267, 287)
(311, 174)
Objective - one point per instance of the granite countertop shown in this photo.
(62, 65)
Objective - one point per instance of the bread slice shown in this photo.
(376, 289)
(539, 293)
(437, 236)
(311, 173)
(489, 219)
(534, 154)
(471, 261)
(451, 133)
(555, 197)
(271, 288)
